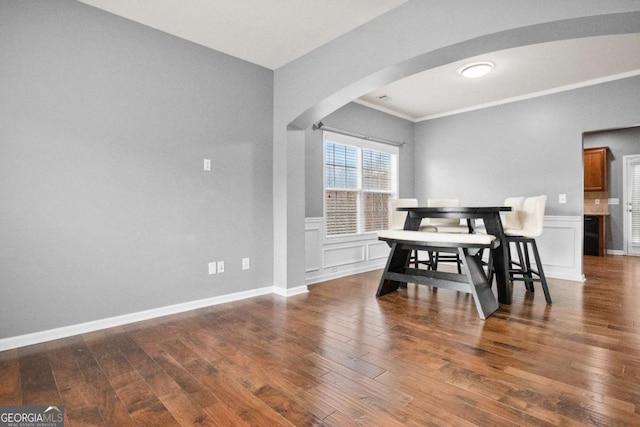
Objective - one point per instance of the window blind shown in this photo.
(376, 216)
(341, 212)
(359, 181)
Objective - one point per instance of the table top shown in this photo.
(485, 212)
(458, 209)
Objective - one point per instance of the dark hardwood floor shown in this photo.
(338, 356)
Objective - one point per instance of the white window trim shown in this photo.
(360, 143)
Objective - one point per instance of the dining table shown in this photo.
(492, 221)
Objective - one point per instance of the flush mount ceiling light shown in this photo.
(476, 69)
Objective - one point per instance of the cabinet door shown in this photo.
(595, 169)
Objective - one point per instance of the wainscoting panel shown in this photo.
(378, 250)
(333, 257)
(339, 255)
(560, 247)
(313, 235)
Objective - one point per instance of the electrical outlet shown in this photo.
(207, 164)
(220, 266)
(597, 201)
(246, 263)
(562, 198)
(212, 268)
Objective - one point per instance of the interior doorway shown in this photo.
(632, 204)
(623, 161)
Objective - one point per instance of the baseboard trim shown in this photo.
(285, 292)
(83, 328)
(614, 252)
(343, 273)
(570, 277)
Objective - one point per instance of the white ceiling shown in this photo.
(270, 33)
(519, 73)
(273, 33)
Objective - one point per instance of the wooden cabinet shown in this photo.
(595, 169)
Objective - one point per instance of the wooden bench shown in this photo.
(473, 279)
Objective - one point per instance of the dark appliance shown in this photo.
(591, 234)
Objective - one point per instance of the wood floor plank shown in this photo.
(111, 408)
(238, 399)
(186, 411)
(353, 406)
(153, 413)
(10, 388)
(339, 356)
(284, 405)
(221, 415)
(83, 416)
(258, 375)
(37, 380)
(77, 398)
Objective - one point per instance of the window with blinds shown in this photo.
(360, 178)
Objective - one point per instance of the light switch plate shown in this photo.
(207, 164)
(562, 198)
(212, 268)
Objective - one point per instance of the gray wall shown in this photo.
(104, 125)
(366, 121)
(621, 143)
(523, 148)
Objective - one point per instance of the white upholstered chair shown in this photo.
(396, 222)
(447, 225)
(397, 218)
(531, 218)
(512, 218)
(511, 222)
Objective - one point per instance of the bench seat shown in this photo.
(437, 239)
(473, 280)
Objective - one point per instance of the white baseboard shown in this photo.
(83, 328)
(343, 273)
(290, 292)
(614, 252)
(561, 276)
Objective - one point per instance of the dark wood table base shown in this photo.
(473, 280)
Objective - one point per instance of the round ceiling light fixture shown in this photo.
(476, 69)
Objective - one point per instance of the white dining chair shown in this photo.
(447, 225)
(512, 218)
(512, 221)
(397, 218)
(531, 218)
(396, 222)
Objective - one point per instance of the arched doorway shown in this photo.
(296, 110)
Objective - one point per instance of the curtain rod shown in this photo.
(322, 126)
